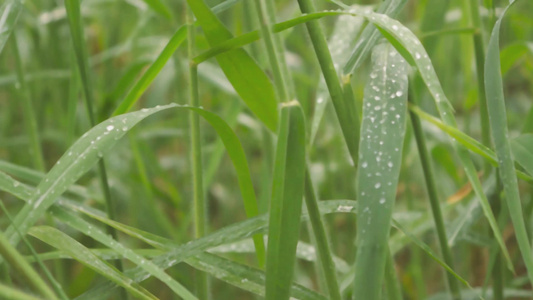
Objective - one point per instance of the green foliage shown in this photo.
(431, 138)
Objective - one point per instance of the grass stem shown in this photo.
(434, 200)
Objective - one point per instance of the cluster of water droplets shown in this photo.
(382, 130)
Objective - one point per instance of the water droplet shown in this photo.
(16, 183)
(382, 200)
(394, 27)
(377, 98)
(417, 55)
(373, 75)
(390, 164)
(364, 164)
(377, 185)
(399, 93)
(110, 127)
(125, 128)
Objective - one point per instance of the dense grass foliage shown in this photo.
(277, 149)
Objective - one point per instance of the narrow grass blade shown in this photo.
(500, 136)
(370, 36)
(382, 135)
(98, 235)
(346, 29)
(9, 13)
(9, 293)
(430, 252)
(467, 141)
(63, 242)
(522, 147)
(243, 276)
(148, 77)
(286, 202)
(250, 82)
(17, 261)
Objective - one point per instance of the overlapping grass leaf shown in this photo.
(9, 13)
(65, 243)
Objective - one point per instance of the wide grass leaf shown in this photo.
(500, 136)
(65, 243)
(250, 82)
(286, 202)
(382, 135)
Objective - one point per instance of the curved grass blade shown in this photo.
(498, 124)
(98, 235)
(243, 276)
(231, 233)
(522, 147)
(407, 44)
(86, 151)
(286, 202)
(78, 159)
(250, 82)
(9, 13)
(65, 243)
(148, 77)
(382, 135)
(370, 36)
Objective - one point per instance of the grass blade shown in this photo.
(9, 293)
(407, 44)
(9, 13)
(78, 159)
(382, 135)
(498, 124)
(17, 261)
(243, 276)
(148, 77)
(63, 242)
(286, 202)
(250, 82)
(522, 147)
(98, 235)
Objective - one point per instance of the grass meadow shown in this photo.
(276, 149)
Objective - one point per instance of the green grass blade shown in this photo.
(346, 29)
(98, 235)
(148, 77)
(467, 141)
(407, 44)
(9, 293)
(250, 82)
(430, 252)
(17, 261)
(9, 13)
(522, 147)
(77, 160)
(370, 36)
(500, 136)
(243, 276)
(63, 242)
(286, 202)
(382, 135)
